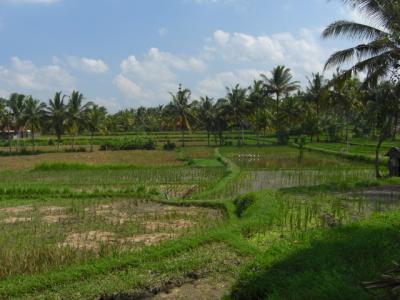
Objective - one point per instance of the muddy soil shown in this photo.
(202, 289)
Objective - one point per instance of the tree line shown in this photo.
(62, 114)
(336, 108)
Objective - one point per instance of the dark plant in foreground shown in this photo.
(389, 281)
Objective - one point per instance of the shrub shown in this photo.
(169, 146)
(242, 203)
(128, 144)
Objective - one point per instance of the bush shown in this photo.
(242, 203)
(169, 146)
(128, 144)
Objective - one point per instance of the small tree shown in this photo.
(181, 109)
(384, 99)
(94, 118)
(57, 114)
(33, 116)
(76, 112)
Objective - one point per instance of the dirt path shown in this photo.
(202, 289)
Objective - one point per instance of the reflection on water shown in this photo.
(333, 210)
(252, 181)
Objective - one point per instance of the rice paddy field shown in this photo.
(196, 222)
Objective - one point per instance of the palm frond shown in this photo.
(352, 30)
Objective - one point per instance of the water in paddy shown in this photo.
(303, 212)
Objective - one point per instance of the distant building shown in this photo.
(12, 134)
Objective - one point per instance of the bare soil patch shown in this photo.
(94, 240)
(53, 210)
(174, 225)
(17, 209)
(14, 220)
(202, 289)
(91, 240)
(54, 219)
(148, 239)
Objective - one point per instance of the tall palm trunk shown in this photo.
(317, 112)
(377, 151)
(183, 133)
(208, 137)
(91, 142)
(242, 134)
(396, 121)
(18, 140)
(33, 138)
(278, 122)
(58, 142)
(9, 138)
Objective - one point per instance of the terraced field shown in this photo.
(197, 222)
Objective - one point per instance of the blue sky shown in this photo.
(127, 53)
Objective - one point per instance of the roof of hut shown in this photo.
(393, 152)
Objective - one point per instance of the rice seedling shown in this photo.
(39, 236)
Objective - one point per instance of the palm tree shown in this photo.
(378, 53)
(57, 114)
(280, 84)
(257, 99)
(181, 110)
(16, 104)
(220, 122)
(33, 116)
(237, 106)
(317, 93)
(94, 117)
(384, 100)
(207, 114)
(76, 112)
(5, 120)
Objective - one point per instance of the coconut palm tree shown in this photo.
(5, 120)
(181, 109)
(207, 114)
(220, 122)
(56, 111)
(33, 116)
(279, 84)
(378, 52)
(317, 93)
(94, 117)
(237, 106)
(16, 105)
(76, 112)
(257, 99)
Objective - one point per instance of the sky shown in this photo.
(131, 53)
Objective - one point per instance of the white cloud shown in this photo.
(111, 103)
(150, 79)
(240, 47)
(130, 89)
(87, 64)
(215, 86)
(24, 76)
(300, 52)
